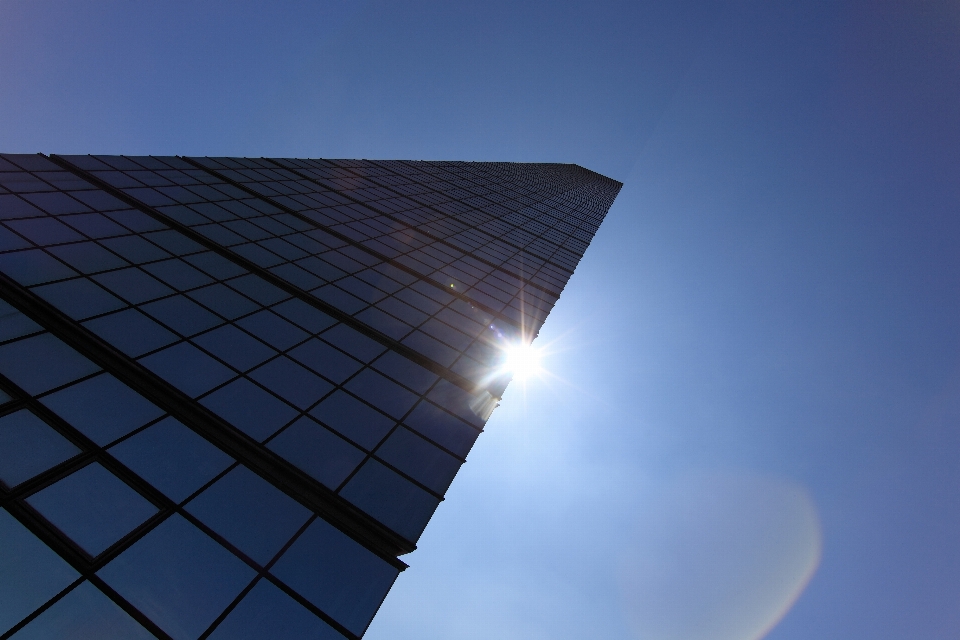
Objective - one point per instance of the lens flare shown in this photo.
(522, 361)
(720, 557)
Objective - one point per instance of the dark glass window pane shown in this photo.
(250, 408)
(297, 276)
(14, 324)
(135, 249)
(224, 301)
(382, 393)
(32, 573)
(251, 513)
(179, 577)
(354, 343)
(28, 446)
(447, 334)
(384, 323)
(44, 231)
(136, 221)
(337, 574)
(267, 613)
(301, 313)
(457, 401)
(317, 451)
(442, 428)
(326, 360)
(10, 241)
(172, 458)
(403, 370)
(131, 332)
(79, 298)
(93, 507)
(133, 285)
(273, 329)
(224, 237)
(215, 264)
(419, 459)
(174, 242)
(56, 203)
(102, 408)
(34, 267)
(84, 613)
(182, 315)
(235, 347)
(13, 207)
(339, 298)
(187, 368)
(178, 274)
(391, 499)
(183, 215)
(259, 290)
(95, 225)
(291, 381)
(353, 419)
(431, 347)
(88, 257)
(42, 362)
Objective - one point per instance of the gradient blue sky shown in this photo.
(765, 326)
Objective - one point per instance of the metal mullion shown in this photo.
(262, 573)
(41, 609)
(377, 254)
(90, 453)
(280, 282)
(78, 560)
(265, 463)
(476, 228)
(578, 188)
(334, 232)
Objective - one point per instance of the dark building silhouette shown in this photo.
(233, 391)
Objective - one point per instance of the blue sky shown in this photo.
(760, 345)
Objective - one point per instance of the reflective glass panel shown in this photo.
(42, 362)
(84, 613)
(172, 458)
(337, 574)
(267, 613)
(317, 451)
(179, 577)
(79, 298)
(131, 331)
(249, 512)
(103, 408)
(187, 368)
(32, 573)
(419, 459)
(391, 499)
(14, 324)
(250, 408)
(28, 446)
(93, 507)
(353, 419)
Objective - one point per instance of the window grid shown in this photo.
(210, 293)
(255, 311)
(339, 299)
(13, 499)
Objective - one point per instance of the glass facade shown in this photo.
(233, 391)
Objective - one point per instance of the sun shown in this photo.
(522, 360)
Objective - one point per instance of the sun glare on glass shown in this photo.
(522, 361)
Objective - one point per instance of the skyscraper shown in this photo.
(233, 391)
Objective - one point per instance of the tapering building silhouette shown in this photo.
(233, 391)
